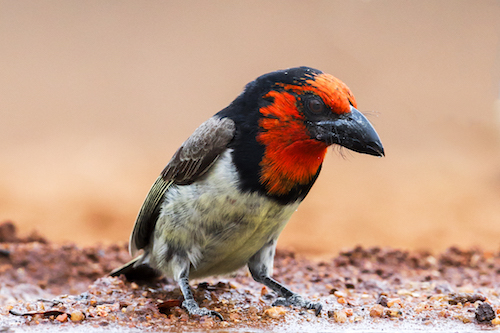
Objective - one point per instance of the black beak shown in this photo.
(351, 130)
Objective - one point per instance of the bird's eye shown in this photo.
(315, 105)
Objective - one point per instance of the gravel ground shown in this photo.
(49, 287)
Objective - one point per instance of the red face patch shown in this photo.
(291, 156)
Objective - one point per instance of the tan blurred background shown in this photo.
(95, 97)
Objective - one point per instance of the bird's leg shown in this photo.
(260, 266)
(288, 297)
(189, 302)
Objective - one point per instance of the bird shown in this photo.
(229, 190)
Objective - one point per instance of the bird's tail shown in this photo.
(136, 270)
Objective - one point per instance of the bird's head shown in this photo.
(300, 112)
(320, 105)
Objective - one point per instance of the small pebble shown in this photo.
(357, 319)
(395, 301)
(383, 300)
(376, 311)
(340, 316)
(77, 316)
(62, 318)
(275, 312)
(394, 313)
(484, 313)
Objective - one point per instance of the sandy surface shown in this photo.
(48, 287)
(97, 96)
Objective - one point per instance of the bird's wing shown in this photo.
(195, 157)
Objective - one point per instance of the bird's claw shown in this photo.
(298, 301)
(194, 310)
(314, 306)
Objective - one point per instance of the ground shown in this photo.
(51, 287)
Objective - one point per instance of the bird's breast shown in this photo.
(216, 225)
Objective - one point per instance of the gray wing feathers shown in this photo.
(146, 220)
(192, 160)
(200, 150)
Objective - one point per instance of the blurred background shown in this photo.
(95, 97)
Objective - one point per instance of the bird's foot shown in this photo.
(298, 301)
(194, 309)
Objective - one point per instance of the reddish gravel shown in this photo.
(52, 286)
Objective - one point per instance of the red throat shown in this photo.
(291, 157)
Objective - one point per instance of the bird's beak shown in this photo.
(351, 130)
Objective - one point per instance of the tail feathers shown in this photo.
(136, 270)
